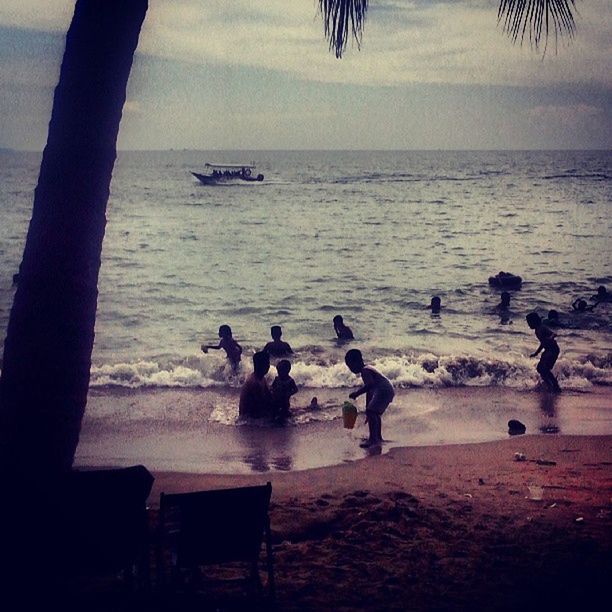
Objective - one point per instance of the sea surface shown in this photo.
(369, 235)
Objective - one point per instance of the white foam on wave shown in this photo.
(405, 371)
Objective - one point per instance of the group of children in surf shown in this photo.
(258, 400)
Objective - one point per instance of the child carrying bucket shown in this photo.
(379, 394)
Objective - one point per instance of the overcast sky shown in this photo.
(238, 74)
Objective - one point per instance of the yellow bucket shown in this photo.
(349, 415)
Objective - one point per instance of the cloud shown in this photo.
(404, 42)
(566, 115)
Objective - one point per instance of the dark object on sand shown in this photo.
(516, 428)
(506, 280)
(212, 527)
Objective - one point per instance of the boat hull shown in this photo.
(207, 179)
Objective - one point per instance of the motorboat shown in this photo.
(222, 174)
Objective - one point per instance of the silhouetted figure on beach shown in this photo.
(343, 331)
(436, 305)
(550, 347)
(255, 396)
(283, 388)
(277, 348)
(379, 394)
(552, 319)
(232, 349)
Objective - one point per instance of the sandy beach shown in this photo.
(456, 527)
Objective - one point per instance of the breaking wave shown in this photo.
(317, 371)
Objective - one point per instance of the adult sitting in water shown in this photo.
(255, 396)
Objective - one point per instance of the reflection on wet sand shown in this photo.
(267, 449)
(548, 408)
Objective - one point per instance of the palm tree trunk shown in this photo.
(47, 351)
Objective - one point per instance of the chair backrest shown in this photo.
(215, 526)
(103, 516)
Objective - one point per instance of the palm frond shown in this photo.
(341, 19)
(538, 18)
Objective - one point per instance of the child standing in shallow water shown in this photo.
(283, 388)
(232, 349)
(379, 394)
(551, 350)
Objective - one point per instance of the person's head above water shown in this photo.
(533, 320)
(354, 361)
(602, 291)
(276, 332)
(283, 367)
(338, 320)
(436, 304)
(225, 331)
(580, 305)
(261, 363)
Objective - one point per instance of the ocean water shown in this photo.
(369, 235)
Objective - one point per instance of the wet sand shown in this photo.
(173, 430)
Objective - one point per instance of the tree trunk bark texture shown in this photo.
(47, 351)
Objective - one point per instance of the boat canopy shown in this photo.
(232, 166)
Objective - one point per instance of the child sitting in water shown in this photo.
(283, 388)
(277, 348)
(551, 350)
(379, 394)
(343, 331)
(232, 349)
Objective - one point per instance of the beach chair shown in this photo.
(102, 523)
(214, 527)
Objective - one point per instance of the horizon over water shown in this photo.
(371, 235)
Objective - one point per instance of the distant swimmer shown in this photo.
(580, 305)
(550, 347)
(314, 404)
(379, 394)
(602, 295)
(277, 348)
(504, 304)
(255, 396)
(503, 309)
(343, 331)
(232, 349)
(435, 305)
(552, 319)
(283, 388)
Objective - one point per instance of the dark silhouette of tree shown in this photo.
(47, 351)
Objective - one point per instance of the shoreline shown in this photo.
(175, 429)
